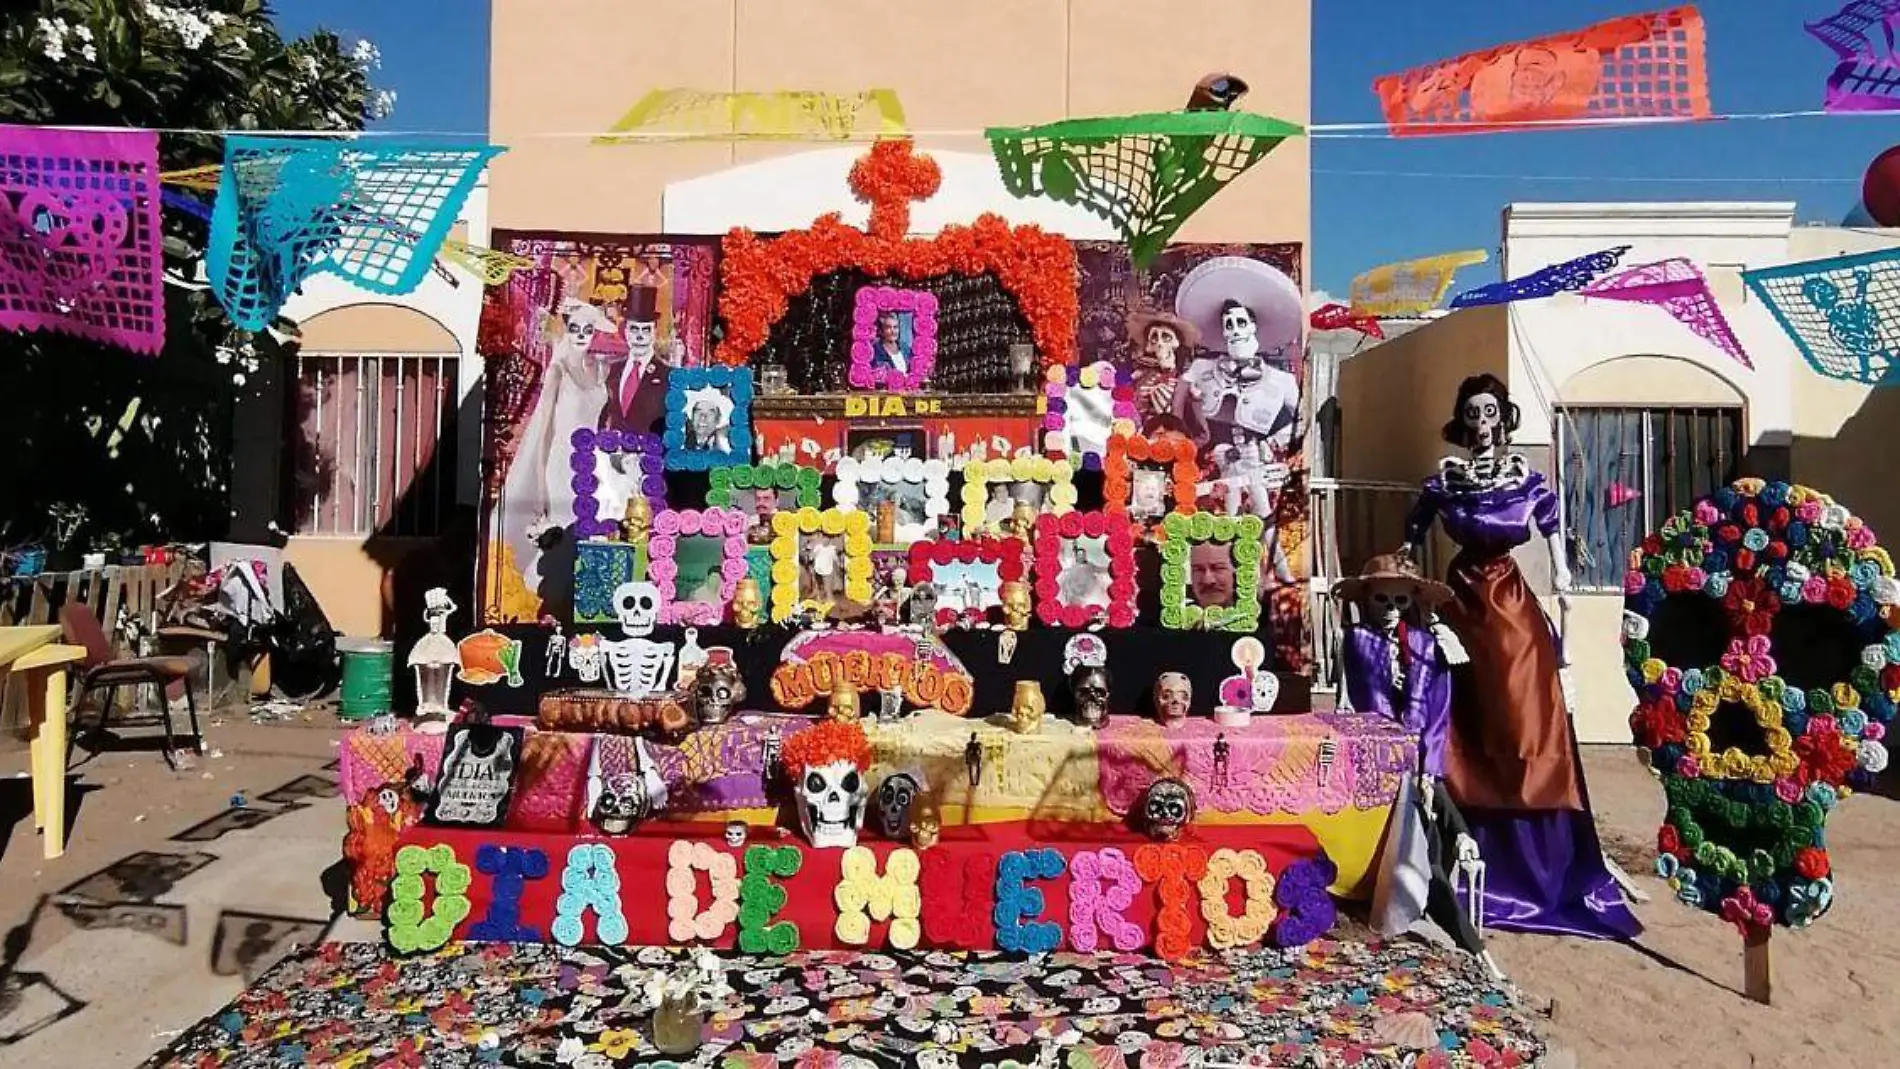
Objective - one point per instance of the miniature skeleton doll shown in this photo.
(1167, 808)
(1088, 690)
(973, 759)
(1027, 707)
(717, 691)
(1174, 695)
(557, 649)
(1223, 752)
(896, 794)
(827, 763)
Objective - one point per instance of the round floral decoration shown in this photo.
(1759, 737)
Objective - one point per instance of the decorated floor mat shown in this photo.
(1324, 1004)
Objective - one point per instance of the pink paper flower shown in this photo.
(1706, 513)
(1809, 511)
(1860, 537)
(1814, 591)
(1750, 659)
(1687, 767)
(1671, 680)
(1634, 581)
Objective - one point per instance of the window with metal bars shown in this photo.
(1623, 471)
(375, 447)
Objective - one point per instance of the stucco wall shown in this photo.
(957, 65)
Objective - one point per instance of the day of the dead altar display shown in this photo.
(1761, 630)
(892, 667)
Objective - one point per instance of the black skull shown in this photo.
(1167, 809)
(1088, 689)
(717, 689)
(894, 797)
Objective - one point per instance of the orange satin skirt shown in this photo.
(1512, 745)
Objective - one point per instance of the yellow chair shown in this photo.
(36, 659)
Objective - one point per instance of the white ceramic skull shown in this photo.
(735, 833)
(586, 656)
(831, 804)
(1387, 601)
(637, 605)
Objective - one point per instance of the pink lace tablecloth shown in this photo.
(712, 771)
(1322, 762)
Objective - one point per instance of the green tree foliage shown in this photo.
(124, 449)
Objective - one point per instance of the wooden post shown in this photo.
(1758, 974)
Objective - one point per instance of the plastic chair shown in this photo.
(101, 670)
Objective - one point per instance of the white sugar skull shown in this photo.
(586, 657)
(735, 833)
(831, 804)
(1266, 691)
(637, 605)
(894, 795)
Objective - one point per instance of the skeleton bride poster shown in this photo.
(589, 332)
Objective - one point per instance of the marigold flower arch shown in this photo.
(760, 276)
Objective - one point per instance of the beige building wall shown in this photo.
(958, 66)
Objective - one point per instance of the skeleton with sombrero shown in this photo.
(1395, 662)
(1161, 341)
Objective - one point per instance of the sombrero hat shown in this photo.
(1273, 297)
(1140, 320)
(1430, 592)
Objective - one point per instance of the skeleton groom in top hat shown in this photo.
(637, 397)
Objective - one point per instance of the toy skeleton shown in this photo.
(556, 654)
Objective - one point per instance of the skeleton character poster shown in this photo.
(582, 339)
(1211, 338)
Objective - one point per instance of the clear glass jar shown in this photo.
(678, 1028)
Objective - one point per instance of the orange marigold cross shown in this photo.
(889, 178)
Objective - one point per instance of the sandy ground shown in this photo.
(103, 971)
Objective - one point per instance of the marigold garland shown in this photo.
(760, 276)
(1744, 836)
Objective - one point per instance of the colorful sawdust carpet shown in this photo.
(1328, 1003)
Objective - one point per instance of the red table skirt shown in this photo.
(957, 911)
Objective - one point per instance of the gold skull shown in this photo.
(926, 823)
(1022, 521)
(1016, 605)
(1027, 708)
(637, 520)
(844, 702)
(748, 603)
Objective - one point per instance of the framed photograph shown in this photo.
(477, 777)
(609, 468)
(1146, 480)
(708, 418)
(1085, 568)
(992, 489)
(917, 489)
(893, 339)
(697, 560)
(1086, 406)
(759, 492)
(969, 575)
(1210, 572)
(819, 559)
(873, 443)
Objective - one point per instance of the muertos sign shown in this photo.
(815, 662)
(1226, 886)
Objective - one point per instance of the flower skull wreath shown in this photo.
(1760, 635)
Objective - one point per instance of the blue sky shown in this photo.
(1418, 198)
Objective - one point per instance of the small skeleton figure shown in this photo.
(556, 653)
(1222, 751)
(1328, 751)
(768, 755)
(973, 759)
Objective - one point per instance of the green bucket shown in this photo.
(369, 667)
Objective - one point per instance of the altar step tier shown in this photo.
(1334, 775)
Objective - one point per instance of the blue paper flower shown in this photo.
(1755, 539)
(1715, 561)
(1716, 584)
(1693, 681)
(1774, 495)
(1794, 701)
(1727, 499)
(1796, 535)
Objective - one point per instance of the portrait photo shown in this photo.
(893, 338)
(708, 418)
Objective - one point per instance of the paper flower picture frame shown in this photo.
(991, 489)
(968, 574)
(1149, 479)
(1215, 557)
(696, 559)
(708, 417)
(1085, 568)
(610, 467)
(1086, 407)
(919, 490)
(796, 485)
(893, 339)
(818, 559)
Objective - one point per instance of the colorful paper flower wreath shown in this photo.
(587, 444)
(729, 390)
(1241, 535)
(1125, 451)
(1064, 380)
(796, 480)
(671, 525)
(1759, 634)
(1010, 556)
(789, 527)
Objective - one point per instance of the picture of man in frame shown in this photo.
(894, 341)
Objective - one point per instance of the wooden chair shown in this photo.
(102, 670)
